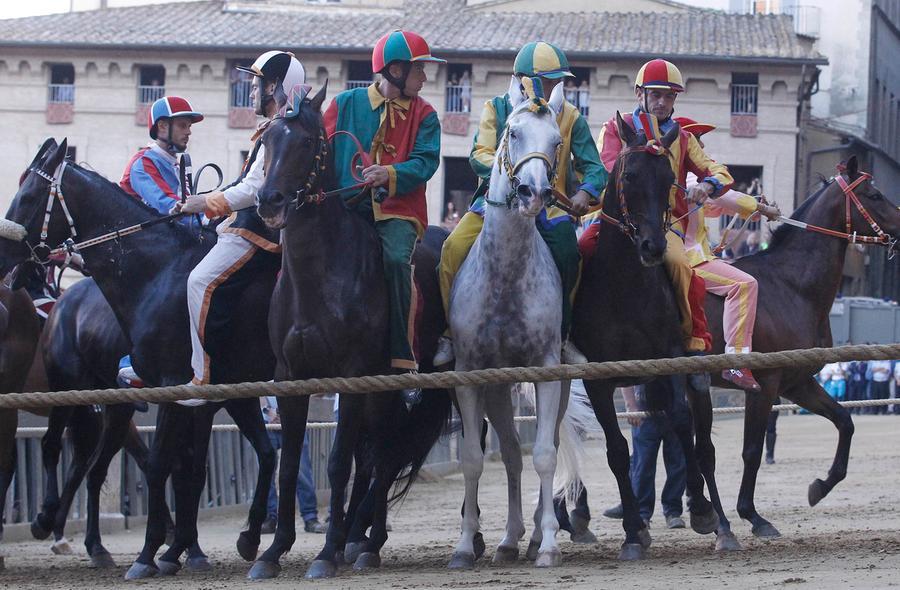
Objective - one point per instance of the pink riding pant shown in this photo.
(740, 292)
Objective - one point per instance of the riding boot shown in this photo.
(770, 447)
(570, 354)
(444, 354)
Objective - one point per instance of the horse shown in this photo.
(505, 310)
(147, 293)
(328, 318)
(799, 276)
(625, 309)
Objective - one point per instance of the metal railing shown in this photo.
(351, 84)
(744, 99)
(458, 99)
(61, 93)
(150, 94)
(240, 94)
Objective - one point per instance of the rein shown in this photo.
(359, 162)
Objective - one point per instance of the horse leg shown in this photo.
(51, 448)
(140, 452)
(637, 537)
(701, 410)
(499, 410)
(249, 420)
(9, 422)
(361, 508)
(293, 411)
(470, 401)
(85, 428)
(756, 417)
(547, 400)
(173, 424)
(811, 396)
(116, 425)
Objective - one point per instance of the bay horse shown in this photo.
(329, 318)
(625, 309)
(505, 311)
(799, 276)
(144, 279)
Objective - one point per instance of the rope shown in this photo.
(811, 358)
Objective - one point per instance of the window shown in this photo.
(359, 74)
(62, 84)
(578, 90)
(151, 84)
(744, 93)
(459, 88)
(241, 85)
(459, 186)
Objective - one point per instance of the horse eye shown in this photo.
(876, 196)
(512, 134)
(629, 176)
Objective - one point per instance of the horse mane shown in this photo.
(783, 231)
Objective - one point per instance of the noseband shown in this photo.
(512, 169)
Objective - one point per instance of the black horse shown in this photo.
(625, 309)
(799, 276)
(329, 318)
(143, 278)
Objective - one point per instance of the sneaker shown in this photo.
(127, 377)
(268, 525)
(570, 354)
(191, 403)
(314, 526)
(444, 354)
(743, 378)
(674, 521)
(615, 512)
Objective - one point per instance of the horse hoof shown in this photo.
(478, 545)
(705, 523)
(462, 561)
(198, 564)
(817, 491)
(632, 552)
(505, 555)
(765, 531)
(141, 571)
(168, 568)
(367, 561)
(38, 531)
(61, 547)
(352, 551)
(320, 569)
(644, 537)
(727, 542)
(246, 548)
(584, 537)
(532, 552)
(266, 570)
(339, 557)
(552, 558)
(101, 559)
(170, 538)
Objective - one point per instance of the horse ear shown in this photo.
(852, 167)
(515, 92)
(625, 131)
(319, 98)
(55, 157)
(671, 135)
(48, 144)
(557, 99)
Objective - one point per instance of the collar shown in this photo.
(154, 147)
(260, 129)
(664, 126)
(394, 107)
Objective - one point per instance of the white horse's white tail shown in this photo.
(578, 423)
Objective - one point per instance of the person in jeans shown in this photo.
(857, 383)
(306, 487)
(880, 385)
(647, 435)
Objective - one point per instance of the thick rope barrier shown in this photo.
(811, 358)
(38, 431)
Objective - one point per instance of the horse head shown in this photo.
(528, 155)
(296, 151)
(23, 229)
(642, 179)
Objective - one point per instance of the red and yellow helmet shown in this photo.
(659, 73)
(400, 46)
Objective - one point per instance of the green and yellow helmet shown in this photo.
(543, 59)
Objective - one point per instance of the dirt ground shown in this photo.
(850, 540)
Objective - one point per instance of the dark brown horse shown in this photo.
(799, 276)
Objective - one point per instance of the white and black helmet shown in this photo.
(280, 67)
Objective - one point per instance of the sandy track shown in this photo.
(851, 540)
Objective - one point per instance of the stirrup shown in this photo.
(193, 402)
(444, 354)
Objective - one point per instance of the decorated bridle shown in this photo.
(42, 253)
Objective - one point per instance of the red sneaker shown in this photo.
(743, 378)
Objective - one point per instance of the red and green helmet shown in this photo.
(401, 46)
(542, 59)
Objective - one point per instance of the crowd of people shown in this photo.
(863, 380)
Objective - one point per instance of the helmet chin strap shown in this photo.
(646, 106)
(170, 145)
(399, 83)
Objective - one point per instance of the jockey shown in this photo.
(246, 248)
(402, 134)
(580, 167)
(152, 175)
(720, 277)
(656, 87)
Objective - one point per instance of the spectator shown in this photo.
(833, 377)
(584, 98)
(465, 91)
(571, 91)
(771, 434)
(895, 386)
(879, 388)
(306, 489)
(451, 217)
(857, 384)
(453, 99)
(750, 245)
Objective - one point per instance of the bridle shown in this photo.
(42, 253)
(511, 169)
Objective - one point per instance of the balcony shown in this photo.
(241, 114)
(744, 101)
(351, 84)
(146, 96)
(60, 104)
(580, 98)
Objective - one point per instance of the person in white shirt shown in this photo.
(879, 388)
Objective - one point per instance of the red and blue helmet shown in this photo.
(400, 46)
(169, 107)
